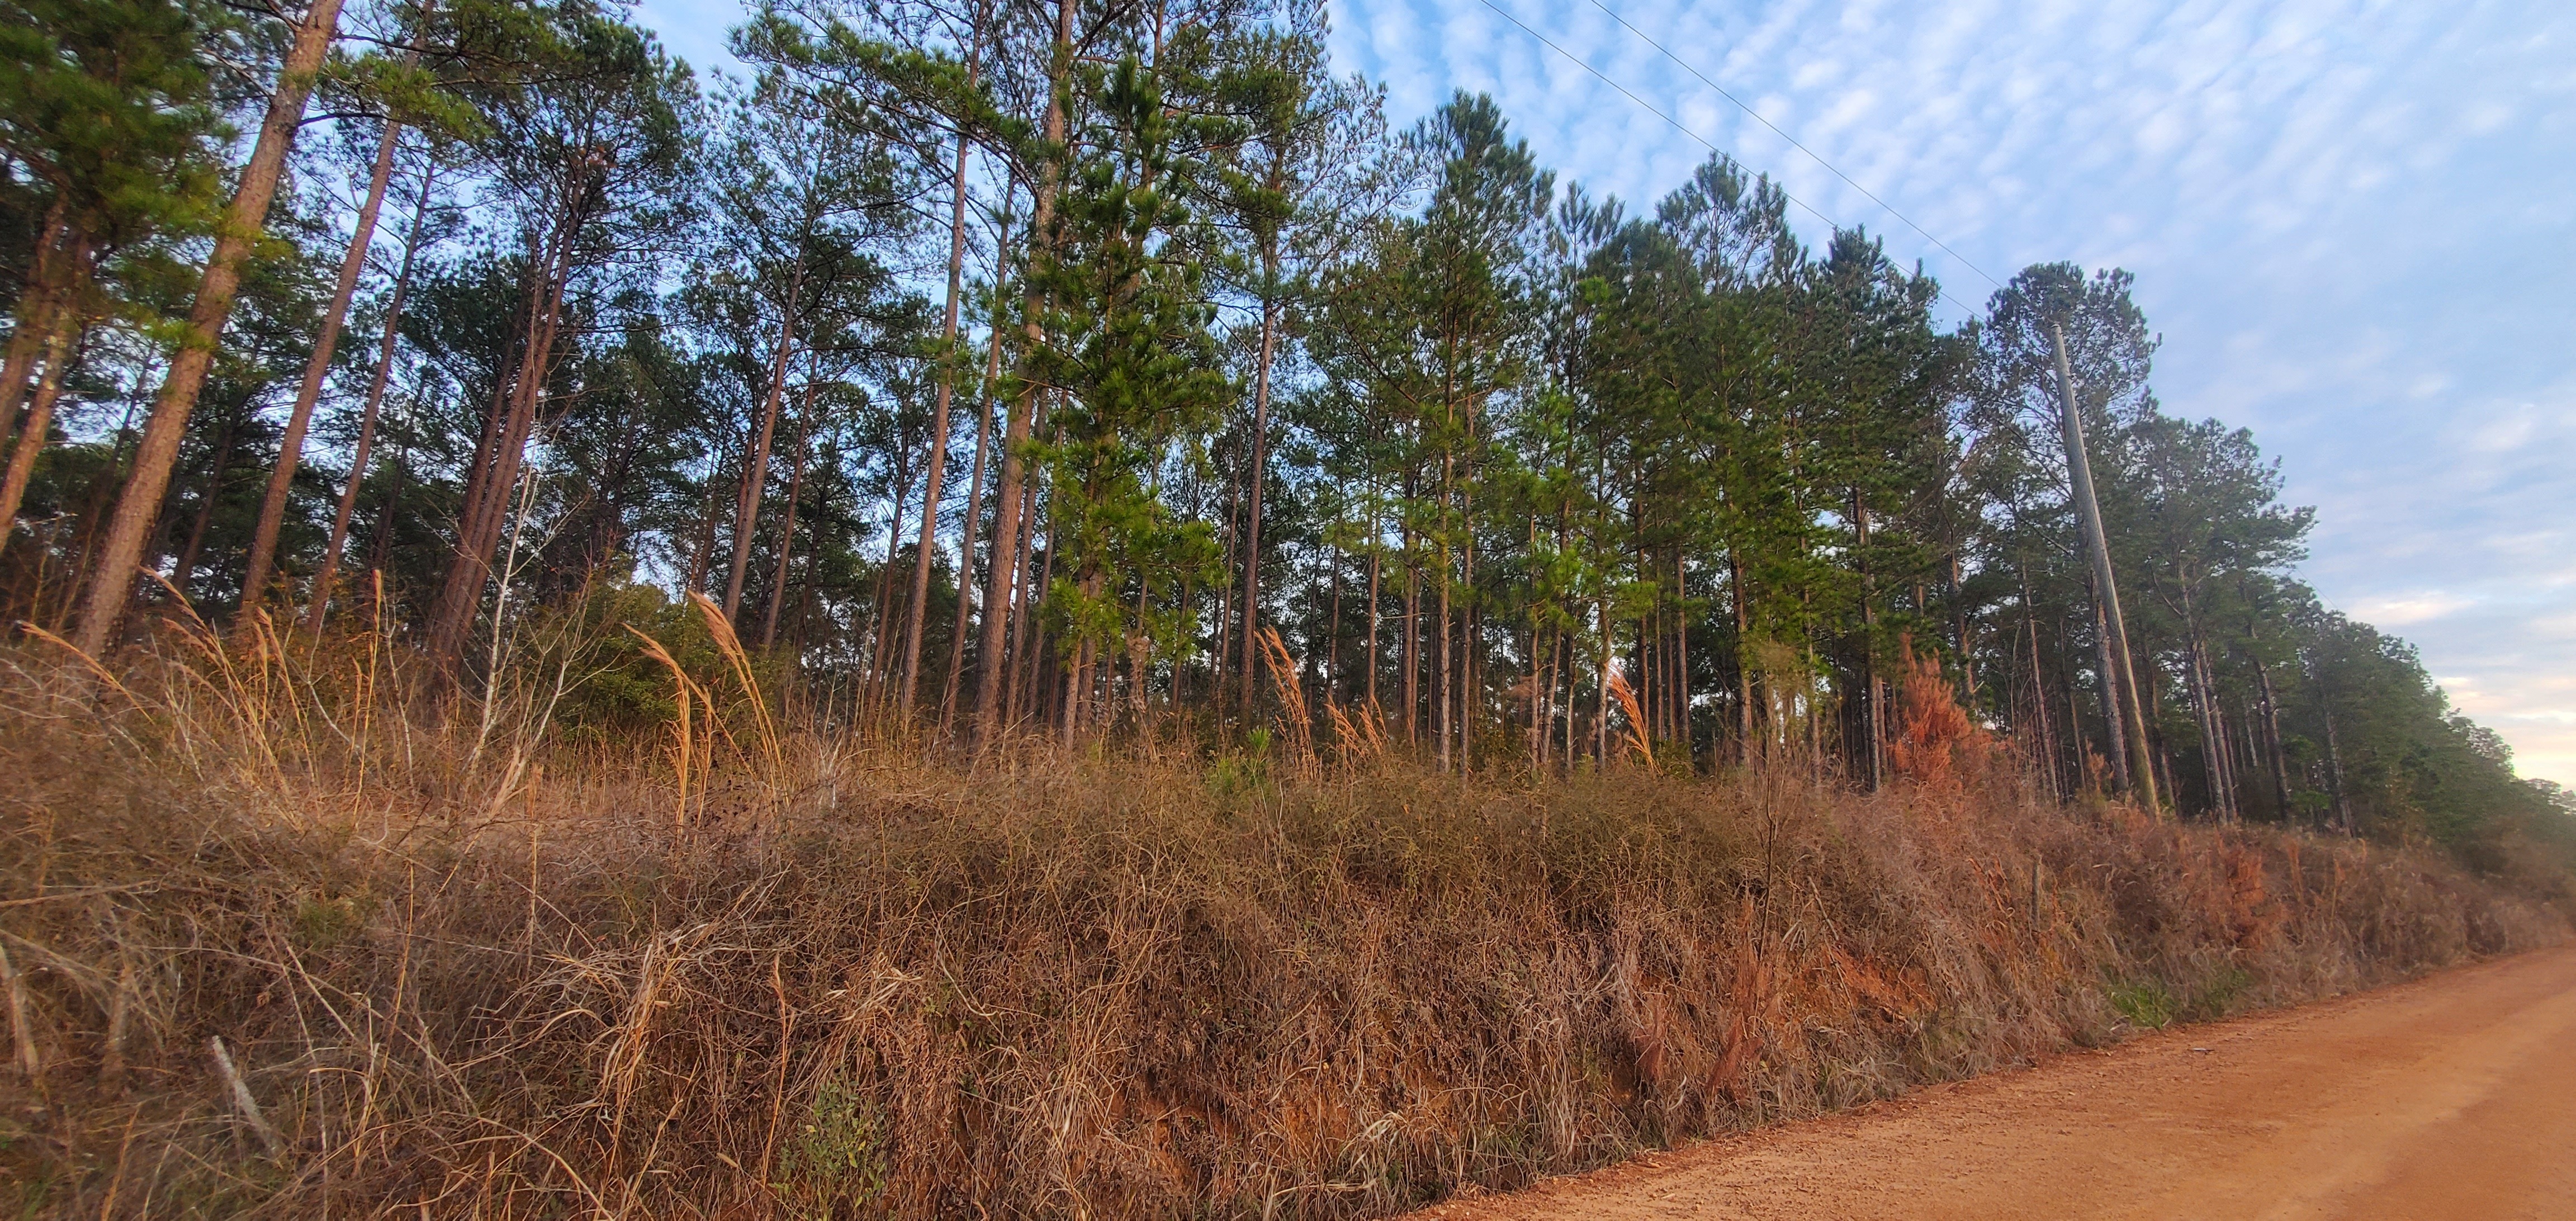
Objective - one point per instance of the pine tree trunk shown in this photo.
(112, 581)
(1221, 655)
(966, 534)
(2250, 722)
(494, 482)
(755, 474)
(2272, 729)
(1529, 656)
(1681, 657)
(1006, 530)
(1376, 554)
(1441, 693)
(2039, 698)
(1028, 640)
(1070, 721)
(2335, 771)
(1470, 636)
(330, 570)
(40, 310)
(380, 539)
(59, 349)
(2204, 695)
(1260, 464)
(487, 439)
(2079, 753)
(1601, 687)
(1743, 657)
(183, 573)
(1409, 648)
(1564, 708)
(882, 640)
(490, 493)
(290, 452)
(787, 527)
(704, 552)
(919, 608)
(1014, 662)
(1967, 650)
(1541, 697)
(2205, 717)
(2218, 737)
(1333, 641)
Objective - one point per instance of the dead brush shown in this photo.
(844, 980)
(690, 758)
(1637, 741)
(1292, 697)
(1359, 736)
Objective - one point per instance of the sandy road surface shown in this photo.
(2449, 1097)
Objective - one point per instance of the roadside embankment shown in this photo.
(460, 971)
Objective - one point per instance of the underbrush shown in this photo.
(458, 967)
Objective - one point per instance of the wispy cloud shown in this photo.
(2348, 218)
(2408, 610)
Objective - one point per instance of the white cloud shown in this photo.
(2347, 217)
(2403, 611)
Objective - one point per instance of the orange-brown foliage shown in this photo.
(1935, 743)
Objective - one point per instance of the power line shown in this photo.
(1793, 141)
(1642, 103)
(1703, 142)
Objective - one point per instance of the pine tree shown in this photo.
(109, 108)
(588, 155)
(120, 553)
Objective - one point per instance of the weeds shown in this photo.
(471, 966)
(2145, 1004)
(837, 1163)
(2220, 994)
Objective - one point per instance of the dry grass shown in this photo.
(462, 971)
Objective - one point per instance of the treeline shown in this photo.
(1110, 369)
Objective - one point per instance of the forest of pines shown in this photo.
(1093, 372)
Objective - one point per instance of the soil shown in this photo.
(2453, 1096)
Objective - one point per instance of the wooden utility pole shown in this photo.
(2080, 473)
(1869, 638)
(2109, 665)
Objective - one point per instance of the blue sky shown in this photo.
(2353, 221)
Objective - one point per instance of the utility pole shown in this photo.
(2080, 473)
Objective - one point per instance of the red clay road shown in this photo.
(2451, 1097)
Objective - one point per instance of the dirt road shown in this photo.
(2450, 1097)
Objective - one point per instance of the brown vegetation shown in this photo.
(466, 964)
